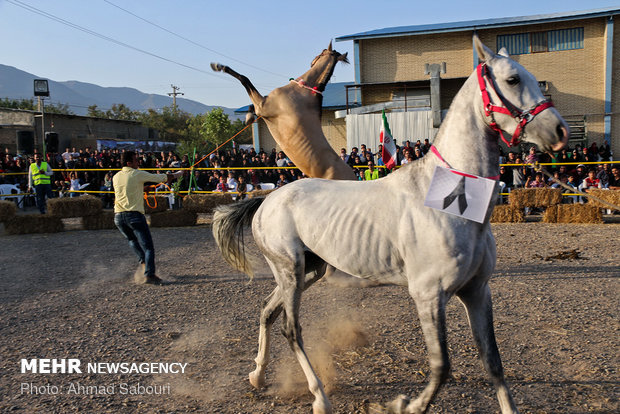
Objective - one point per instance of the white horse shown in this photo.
(309, 223)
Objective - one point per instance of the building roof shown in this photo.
(480, 24)
(334, 97)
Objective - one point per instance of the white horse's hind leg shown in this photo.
(431, 311)
(271, 310)
(272, 307)
(477, 301)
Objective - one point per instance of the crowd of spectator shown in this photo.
(256, 169)
(582, 177)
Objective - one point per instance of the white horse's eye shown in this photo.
(513, 80)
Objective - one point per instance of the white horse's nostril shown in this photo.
(563, 134)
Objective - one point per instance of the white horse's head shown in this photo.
(526, 113)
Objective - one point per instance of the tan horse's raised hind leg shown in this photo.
(479, 307)
(255, 96)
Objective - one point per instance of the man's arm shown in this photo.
(29, 178)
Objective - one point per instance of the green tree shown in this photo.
(58, 108)
(217, 127)
(195, 137)
(17, 104)
(122, 112)
(170, 124)
(246, 136)
(95, 112)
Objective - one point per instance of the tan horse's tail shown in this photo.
(228, 224)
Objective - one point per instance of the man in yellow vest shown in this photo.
(129, 217)
(371, 173)
(40, 178)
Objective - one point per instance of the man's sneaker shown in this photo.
(154, 280)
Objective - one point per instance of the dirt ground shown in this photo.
(71, 295)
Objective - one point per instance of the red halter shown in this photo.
(524, 117)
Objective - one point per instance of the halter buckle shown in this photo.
(527, 116)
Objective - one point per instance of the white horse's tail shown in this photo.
(228, 223)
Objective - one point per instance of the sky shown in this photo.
(150, 45)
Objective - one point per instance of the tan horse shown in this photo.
(293, 115)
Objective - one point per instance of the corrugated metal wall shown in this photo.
(365, 129)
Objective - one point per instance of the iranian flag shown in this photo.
(388, 154)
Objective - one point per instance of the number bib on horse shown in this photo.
(464, 195)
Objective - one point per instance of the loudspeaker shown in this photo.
(51, 142)
(25, 142)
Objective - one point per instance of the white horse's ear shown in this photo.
(503, 52)
(484, 53)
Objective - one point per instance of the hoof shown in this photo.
(321, 407)
(217, 67)
(257, 381)
(399, 405)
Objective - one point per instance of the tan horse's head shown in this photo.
(322, 66)
(330, 54)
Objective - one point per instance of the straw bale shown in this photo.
(33, 223)
(260, 193)
(7, 210)
(611, 196)
(507, 214)
(101, 221)
(68, 207)
(159, 203)
(535, 197)
(572, 213)
(174, 218)
(205, 203)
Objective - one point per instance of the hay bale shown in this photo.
(101, 221)
(260, 193)
(7, 210)
(573, 213)
(33, 223)
(535, 197)
(174, 218)
(158, 203)
(507, 214)
(205, 203)
(68, 207)
(611, 196)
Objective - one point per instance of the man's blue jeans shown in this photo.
(41, 191)
(132, 225)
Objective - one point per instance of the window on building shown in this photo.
(536, 42)
(565, 39)
(515, 44)
(539, 42)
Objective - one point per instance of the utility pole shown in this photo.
(174, 96)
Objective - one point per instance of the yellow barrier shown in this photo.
(272, 168)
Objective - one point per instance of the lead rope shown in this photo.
(146, 195)
(300, 82)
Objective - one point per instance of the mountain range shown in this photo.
(17, 84)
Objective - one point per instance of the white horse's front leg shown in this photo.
(477, 301)
(431, 311)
